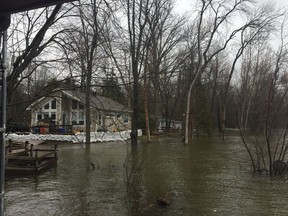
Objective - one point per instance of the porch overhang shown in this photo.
(13, 6)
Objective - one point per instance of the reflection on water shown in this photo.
(208, 177)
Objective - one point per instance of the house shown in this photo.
(64, 110)
(174, 125)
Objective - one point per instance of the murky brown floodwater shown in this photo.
(209, 177)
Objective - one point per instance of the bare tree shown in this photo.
(220, 13)
(149, 39)
(126, 46)
(137, 19)
(82, 47)
(166, 33)
(265, 114)
(31, 35)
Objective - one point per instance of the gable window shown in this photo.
(50, 105)
(48, 110)
(46, 106)
(53, 104)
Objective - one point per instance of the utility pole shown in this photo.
(4, 24)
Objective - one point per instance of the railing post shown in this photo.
(26, 148)
(10, 145)
(36, 157)
(31, 150)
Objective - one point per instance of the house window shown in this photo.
(74, 118)
(77, 118)
(80, 118)
(46, 106)
(100, 119)
(39, 116)
(53, 104)
(53, 116)
(162, 124)
(64, 118)
(126, 118)
(43, 115)
(74, 104)
(50, 105)
(77, 105)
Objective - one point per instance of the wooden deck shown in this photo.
(23, 159)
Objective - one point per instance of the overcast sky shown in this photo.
(184, 5)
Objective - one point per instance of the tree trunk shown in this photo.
(135, 103)
(188, 106)
(147, 118)
(187, 116)
(134, 129)
(88, 110)
(223, 120)
(147, 123)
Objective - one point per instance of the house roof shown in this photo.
(99, 102)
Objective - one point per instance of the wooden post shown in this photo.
(31, 150)
(26, 147)
(37, 160)
(10, 145)
(55, 149)
(6, 155)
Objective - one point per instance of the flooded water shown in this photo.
(208, 177)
